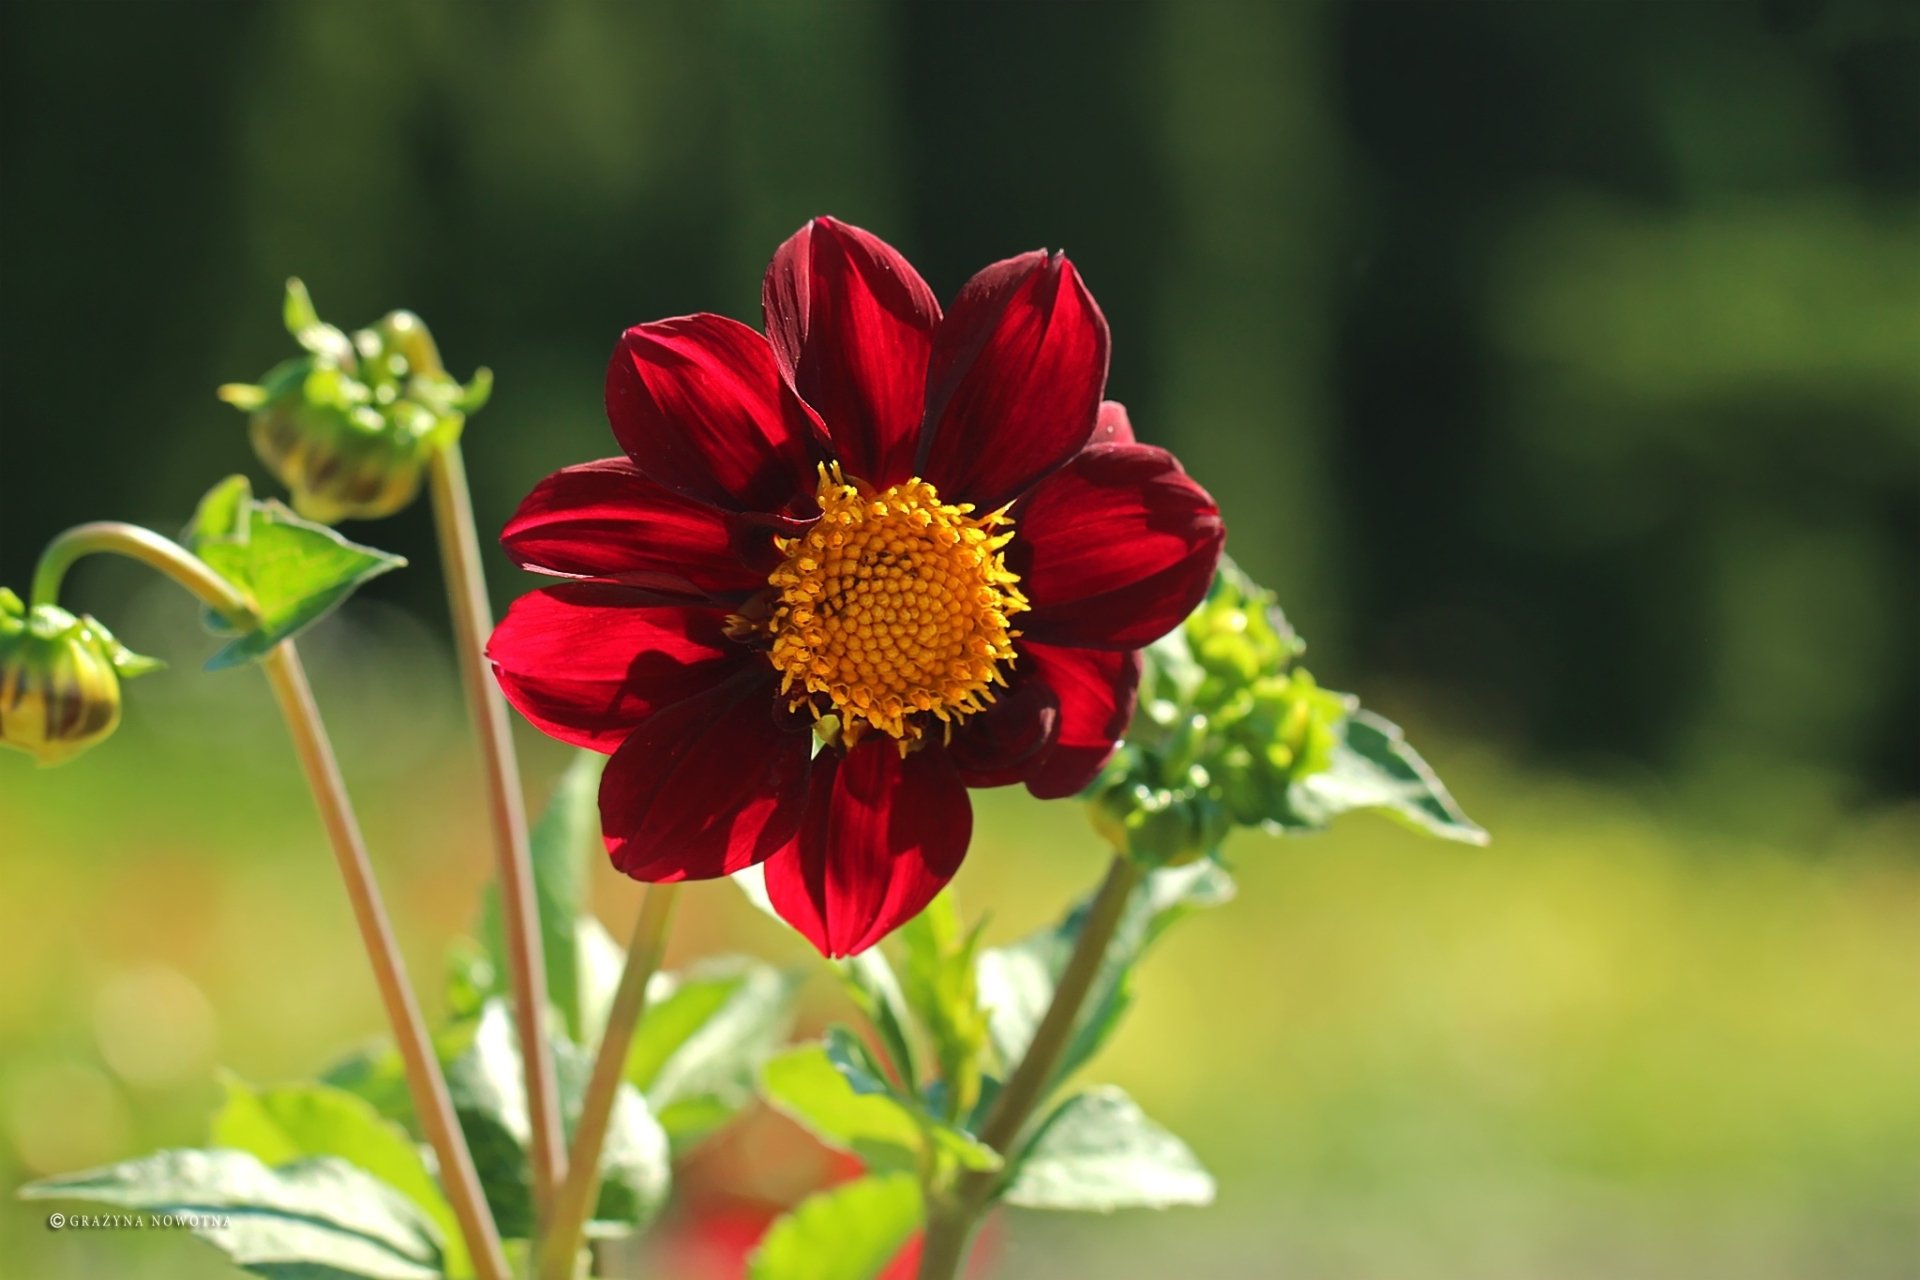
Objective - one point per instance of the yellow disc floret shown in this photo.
(893, 608)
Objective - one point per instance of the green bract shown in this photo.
(1232, 732)
(59, 680)
(350, 426)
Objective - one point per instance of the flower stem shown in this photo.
(951, 1223)
(513, 864)
(581, 1189)
(424, 1079)
(948, 1239)
(149, 548)
(288, 679)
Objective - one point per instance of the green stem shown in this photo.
(513, 864)
(424, 1079)
(288, 679)
(951, 1224)
(947, 1241)
(149, 548)
(581, 1188)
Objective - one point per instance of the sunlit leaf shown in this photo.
(294, 572)
(940, 985)
(848, 1232)
(702, 1037)
(837, 1092)
(1374, 767)
(489, 1096)
(282, 1124)
(1098, 1151)
(308, 1220)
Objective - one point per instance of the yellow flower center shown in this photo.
(893, 607)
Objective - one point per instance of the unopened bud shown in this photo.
(59, 680)
(350, 426)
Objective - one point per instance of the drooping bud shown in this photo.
(350, 426)
(59, 680)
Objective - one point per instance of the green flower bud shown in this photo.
(1160, 826)
(59, 680)
(1237, 635)
(350, 426)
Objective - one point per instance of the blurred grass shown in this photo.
(1613, 1044)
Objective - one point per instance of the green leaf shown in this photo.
(875, 991)
(1098, 1151)
(282, 1124)
(940, 986)
(836, 1092)
(308, 1220)
(848, 1232)
(293, 571)
(703, 1036)
(376, 1076)
(1374, 767)
(489, 1097)
(1017, 981)
(560, 842)
(224, 514)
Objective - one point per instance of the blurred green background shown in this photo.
(1559, 364)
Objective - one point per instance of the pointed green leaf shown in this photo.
(875, 991)
(848, 1232)
(1374, 767)
(295, 572)
(836, 1092)
(223, 514)
(314, 1218)
(702, 1037)
(561, 842)
(1098, 1151)
(940, 985)
(285, 1123)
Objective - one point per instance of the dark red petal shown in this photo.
(1018, 367)
(852, 324)
(881, 837)
(1114, 549)
(706, 787)
(1113, 425)
(1002, 745)
(1095, 690)
(586, 663)
(604, 519)
(699, 405)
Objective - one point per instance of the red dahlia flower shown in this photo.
(922, 539)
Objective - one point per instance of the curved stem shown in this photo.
(285, 674)
(951, 1224)
(424, 1079)
(581, 1189)
(513, 864)
(149, 548)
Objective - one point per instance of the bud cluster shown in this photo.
(1227, 724)
(350, 425)
(59, 680)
